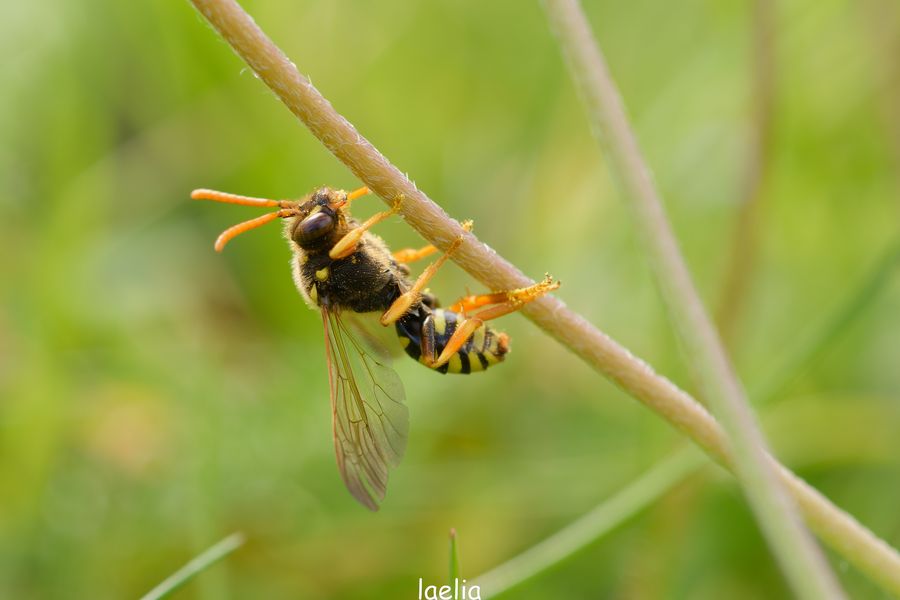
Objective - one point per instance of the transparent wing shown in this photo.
(380, 341)
(369, 419)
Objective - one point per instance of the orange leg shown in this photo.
(467, 303)
(347, 244)
(408, 255)
(503, 304)
(521, 295)
(404, 302)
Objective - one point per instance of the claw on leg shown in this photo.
(511, 297)
(502, 303)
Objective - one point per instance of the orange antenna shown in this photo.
(357, 193)
(242, 200)
(235, 230)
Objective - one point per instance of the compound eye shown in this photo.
(313, 227)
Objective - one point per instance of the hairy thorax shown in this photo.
(365, 281)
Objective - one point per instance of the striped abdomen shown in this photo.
(429, 331)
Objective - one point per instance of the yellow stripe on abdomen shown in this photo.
(455, 364)
(440, 322)
(478, 339)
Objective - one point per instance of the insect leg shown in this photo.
(503, 304)
(426, 341)
(467, 303)
(406, 300)
(408, 255)
(347, 244)
(521, 296)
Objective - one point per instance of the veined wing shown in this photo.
(378, 340)
(370, 421)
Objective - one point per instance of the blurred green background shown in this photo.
(156, 396)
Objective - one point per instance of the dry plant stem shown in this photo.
(666, 474)
(742, 259)
(800, 559)
(630, 373)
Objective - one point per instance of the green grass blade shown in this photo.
(604, 518)
(663, 477)
(815, 344)
(196, 565)
(454, 558)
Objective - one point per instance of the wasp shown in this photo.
(342, 269)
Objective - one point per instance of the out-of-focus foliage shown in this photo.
(155, 396)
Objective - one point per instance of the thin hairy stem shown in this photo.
(741, 264)
(667, 474)
(800, 559)
(631, 374)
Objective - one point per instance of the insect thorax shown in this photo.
(367, 280)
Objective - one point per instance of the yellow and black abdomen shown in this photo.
(425, 332)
